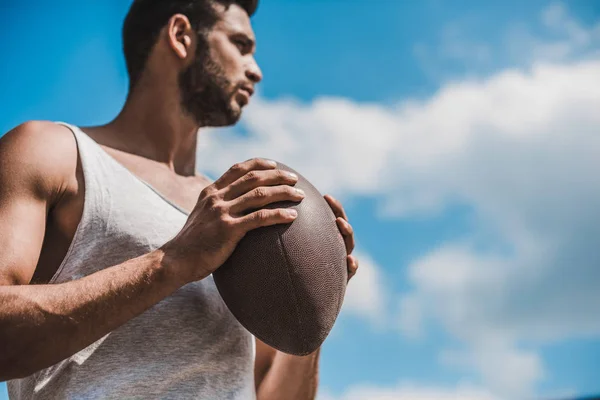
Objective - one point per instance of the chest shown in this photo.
(180, 190)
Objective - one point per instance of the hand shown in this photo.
(346, 231)
(226, 211)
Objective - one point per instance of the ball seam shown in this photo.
(287, 268)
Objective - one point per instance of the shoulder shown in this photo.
(38, 155)
(37, 136)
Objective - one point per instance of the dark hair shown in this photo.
(146, 18)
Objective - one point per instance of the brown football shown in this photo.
(286, 283)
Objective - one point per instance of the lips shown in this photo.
(248, 90)
(243, 97)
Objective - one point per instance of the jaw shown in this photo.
(220, 118)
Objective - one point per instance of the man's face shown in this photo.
(221, 80)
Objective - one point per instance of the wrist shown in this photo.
(178, 265)
(169, 267)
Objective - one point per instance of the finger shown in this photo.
(256, 178)
(264, 195)
(347, 233)
(240, 169)
(352, 266)
(266, 217)
(336, 206)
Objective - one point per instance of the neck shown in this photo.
(157, 129)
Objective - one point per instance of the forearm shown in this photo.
(41, 325)
(291, 377)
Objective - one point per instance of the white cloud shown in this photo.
(565, 38)
(521, 149)
(411, 392)
(505, 369)
(573, 36)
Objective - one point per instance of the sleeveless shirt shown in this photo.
(188, 346)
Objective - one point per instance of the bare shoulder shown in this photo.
(38, 153)
(38, 166)
(37, 140)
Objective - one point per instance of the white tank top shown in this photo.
(188, 346)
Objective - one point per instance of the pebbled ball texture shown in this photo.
(286, 283)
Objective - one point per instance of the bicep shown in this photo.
(28, 182)
(22, 225)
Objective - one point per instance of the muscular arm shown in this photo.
(43, 324)
(283, 376)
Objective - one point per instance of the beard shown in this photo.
(206, 91)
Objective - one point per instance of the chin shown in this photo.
(232, 115)
(221, 119)
(234, 120)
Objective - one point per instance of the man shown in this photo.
(109, 236)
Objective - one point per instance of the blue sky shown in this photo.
(463, 140)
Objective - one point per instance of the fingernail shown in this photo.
(272, 163)
(292, 175)
(292, 213)
(299, 191)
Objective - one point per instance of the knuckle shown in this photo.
(255, 162)
(237, 167)
(220, 207)
(261, 215)
(208, 190)
(212, 199)
(227, 221)
(260, 193)
(251, 176)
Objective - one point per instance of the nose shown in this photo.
(253, 72)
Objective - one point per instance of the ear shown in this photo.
(179, 35)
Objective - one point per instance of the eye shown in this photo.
(241, 45)
(244, 44)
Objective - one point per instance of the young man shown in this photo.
(109, 236)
